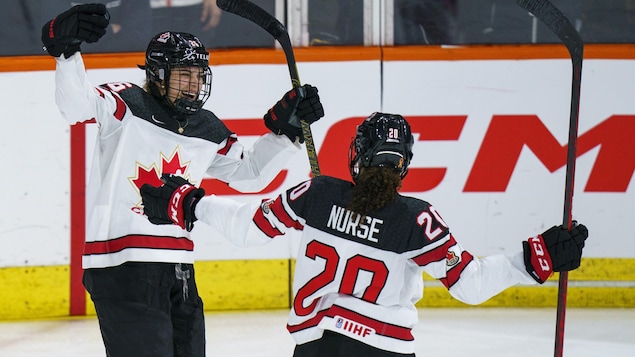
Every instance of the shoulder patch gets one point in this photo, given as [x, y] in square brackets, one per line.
[451, 259]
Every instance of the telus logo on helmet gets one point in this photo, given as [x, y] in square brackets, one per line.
[191, 55]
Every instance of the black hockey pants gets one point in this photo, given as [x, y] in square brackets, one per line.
[148, 309]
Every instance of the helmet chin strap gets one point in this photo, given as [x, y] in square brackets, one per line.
[186, 106]
[180, 106]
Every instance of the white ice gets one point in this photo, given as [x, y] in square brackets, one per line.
[490, 332]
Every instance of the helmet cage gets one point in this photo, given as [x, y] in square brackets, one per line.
[382, 140]
[189, 106]
[170, 50]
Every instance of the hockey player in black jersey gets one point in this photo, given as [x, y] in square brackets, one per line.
[140, 276]
[364, 246]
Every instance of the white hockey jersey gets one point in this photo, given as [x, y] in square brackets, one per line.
[362, 278]
[138, 140]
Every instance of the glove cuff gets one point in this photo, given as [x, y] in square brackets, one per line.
[54, 47]
[176, 206]
[537, 259]
[282, 127]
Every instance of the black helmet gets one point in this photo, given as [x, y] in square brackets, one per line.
[169, 50]
[383, 140]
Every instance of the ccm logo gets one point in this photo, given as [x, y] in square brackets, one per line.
[539, 251]
[175, 202]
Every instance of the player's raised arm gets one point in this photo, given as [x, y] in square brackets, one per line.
[81, 23]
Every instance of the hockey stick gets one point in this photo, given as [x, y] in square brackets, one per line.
[546, 12]
[260, 17]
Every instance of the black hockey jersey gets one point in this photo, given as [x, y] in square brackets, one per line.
[362, 277]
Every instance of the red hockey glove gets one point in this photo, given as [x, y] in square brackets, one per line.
[82, 23]
[557, 249]
[172, 203]
[302, 103]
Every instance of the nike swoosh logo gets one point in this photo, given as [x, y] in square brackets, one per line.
[156, 120]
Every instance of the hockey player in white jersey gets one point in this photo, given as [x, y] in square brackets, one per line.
[364, 246]
[140, 276]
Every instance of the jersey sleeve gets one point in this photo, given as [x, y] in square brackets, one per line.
[251, 170]
[468, 278]
[78, 100]
[249, 224]
[471, 279]
[485, 277]
[233, 219]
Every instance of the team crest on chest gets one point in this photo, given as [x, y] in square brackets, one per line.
[151, 173]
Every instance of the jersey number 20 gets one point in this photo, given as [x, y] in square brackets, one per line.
[352, 268]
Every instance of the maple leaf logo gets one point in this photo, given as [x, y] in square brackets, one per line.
[451, 259]
[152, 174]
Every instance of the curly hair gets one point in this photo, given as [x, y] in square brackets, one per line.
[374, 188]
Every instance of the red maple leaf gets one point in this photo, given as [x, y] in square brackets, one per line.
[173, 166]
[147, 176]
[151, 176]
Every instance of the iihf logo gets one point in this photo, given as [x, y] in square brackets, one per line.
[351, 327]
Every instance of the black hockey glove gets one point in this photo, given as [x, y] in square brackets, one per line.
[557, 249]
[302, 103]
[82, 23]
[171, 203]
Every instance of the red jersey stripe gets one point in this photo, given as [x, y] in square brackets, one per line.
[264, 225]
[120, 111]
[121, 107]
[435, 255]
[381, 328]
[454, 274]
[101, 92]
[312, 322]
[230, 141]
[278, 210]
[138, 241]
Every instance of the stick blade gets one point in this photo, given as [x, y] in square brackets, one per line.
[255, 14]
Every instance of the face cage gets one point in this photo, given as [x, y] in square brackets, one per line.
[156, 75]
[189, 106]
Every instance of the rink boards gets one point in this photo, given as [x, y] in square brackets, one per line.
[467, 107]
